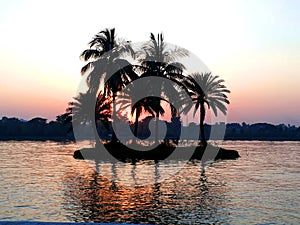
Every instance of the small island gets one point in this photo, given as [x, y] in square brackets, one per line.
[125, 153]
[150, 80]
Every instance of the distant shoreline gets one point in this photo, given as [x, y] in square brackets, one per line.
[38, 129]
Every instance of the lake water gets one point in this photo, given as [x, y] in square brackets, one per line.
[41, 181]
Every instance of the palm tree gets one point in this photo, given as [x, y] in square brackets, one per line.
[207, 89]
[105, 60]
[104, 56]
[146, 104]
[104, 45]
[158, 60]
[81, 111]
[122, 76]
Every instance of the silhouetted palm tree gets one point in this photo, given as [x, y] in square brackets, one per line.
[116, 82]
[146, 104]
[106, 62]
[207, 89]
[82, 110]
[158, 60]
[105, 57]
[105, 45]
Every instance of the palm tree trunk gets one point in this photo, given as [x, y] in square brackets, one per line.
[136, 123]
[202, 117]
[114, 137]
[156, 128]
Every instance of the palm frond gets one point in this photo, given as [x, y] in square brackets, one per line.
[208, 89]
[90, 54]
[85, 68]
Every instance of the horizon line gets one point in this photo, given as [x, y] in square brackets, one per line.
[221, 122]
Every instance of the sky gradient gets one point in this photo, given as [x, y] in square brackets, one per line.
[253, 45]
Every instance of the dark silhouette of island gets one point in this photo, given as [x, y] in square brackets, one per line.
[38, 129]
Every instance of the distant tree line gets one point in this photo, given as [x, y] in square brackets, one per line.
[262, 131]
[34, 129]
[39, 129]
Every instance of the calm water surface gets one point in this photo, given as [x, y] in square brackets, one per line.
[40, 181]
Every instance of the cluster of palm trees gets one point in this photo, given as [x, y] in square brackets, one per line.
[109, 69]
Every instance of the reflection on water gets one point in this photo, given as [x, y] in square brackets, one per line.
[187, 197]
[41, 181]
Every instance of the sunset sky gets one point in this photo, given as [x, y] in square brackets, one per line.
[253, 45]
